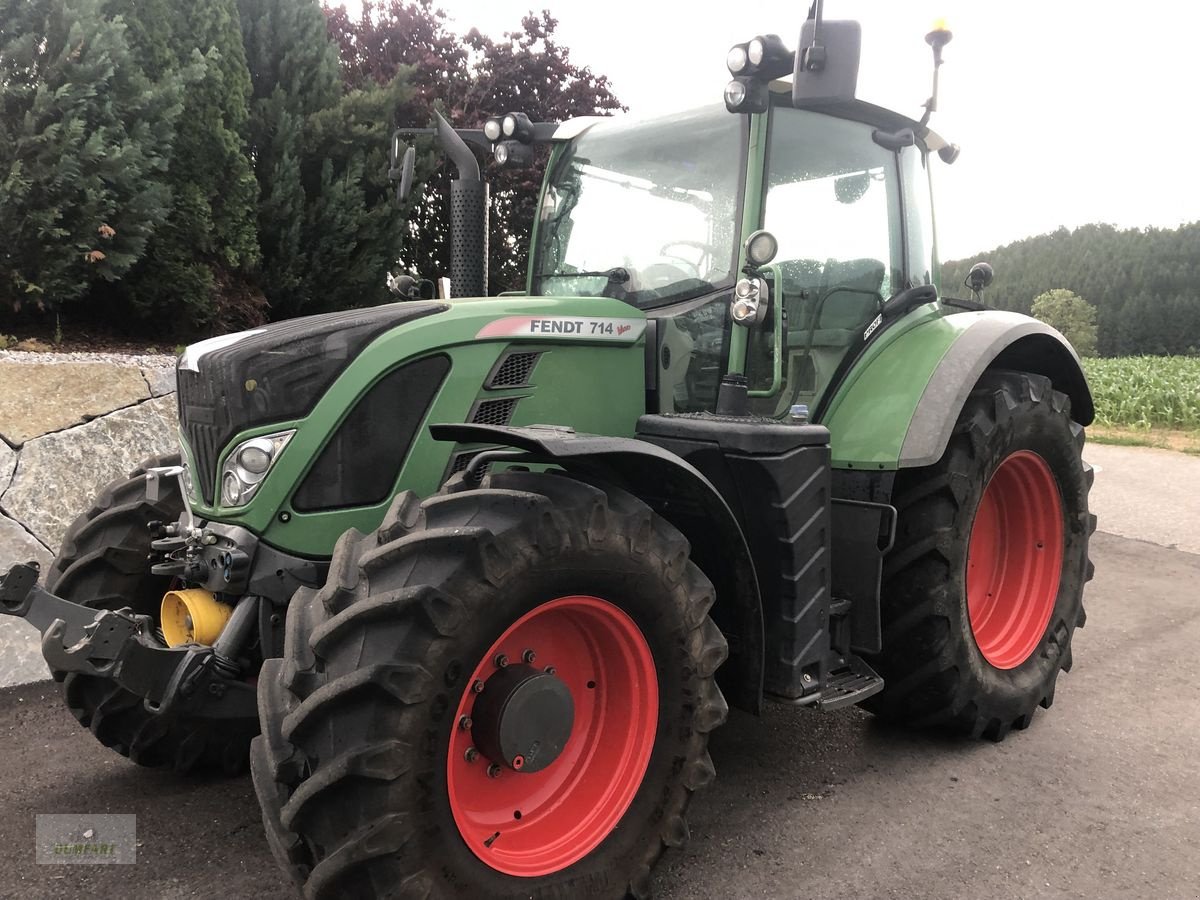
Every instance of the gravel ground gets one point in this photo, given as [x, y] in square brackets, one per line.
[144, 360]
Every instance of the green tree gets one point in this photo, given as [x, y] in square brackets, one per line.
[1071, 315]
[326, 230]
[199, 262]
[1112, 268]
[85, 137]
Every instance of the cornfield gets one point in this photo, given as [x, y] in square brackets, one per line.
[1146, 391]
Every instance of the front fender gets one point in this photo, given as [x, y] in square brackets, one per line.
[898, 406]
[679, 493]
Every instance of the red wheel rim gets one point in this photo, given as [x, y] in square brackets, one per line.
[531, 824]
[1014, 560]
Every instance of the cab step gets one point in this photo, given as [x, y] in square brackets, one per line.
[851, 684]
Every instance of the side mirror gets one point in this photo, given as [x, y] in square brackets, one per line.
[406, 174]
[827, 62]
[979, 277]
[400, 167]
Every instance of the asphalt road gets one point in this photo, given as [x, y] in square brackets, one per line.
[1100, 798]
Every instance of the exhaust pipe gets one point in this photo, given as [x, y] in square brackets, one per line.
[468, 217]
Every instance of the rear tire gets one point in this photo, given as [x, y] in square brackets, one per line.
[978, 610]
[362, 769]
[103, 564]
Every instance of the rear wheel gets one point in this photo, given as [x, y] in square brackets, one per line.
[103, 564]
[503, 692]
[984, 587]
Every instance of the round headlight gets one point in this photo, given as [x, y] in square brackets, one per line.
[255, 459]
[761, 247]
[501, 153]
[231, 489]
[735, 93]
[736, 59]
[509, 125]
[491, 130]
[755, 52]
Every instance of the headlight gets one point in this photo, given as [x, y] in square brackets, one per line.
[247, 466]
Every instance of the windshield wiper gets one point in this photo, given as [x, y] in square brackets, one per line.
[616, 275]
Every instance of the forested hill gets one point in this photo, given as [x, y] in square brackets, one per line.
[1145, 284]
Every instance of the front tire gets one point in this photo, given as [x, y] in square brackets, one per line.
[365, 768]
[983, 589]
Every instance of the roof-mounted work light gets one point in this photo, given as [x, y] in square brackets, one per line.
[753, 65]
[746, 95]
[769, 57]
[492, 129]
[513, 154]
[517, 126]
[737, 60]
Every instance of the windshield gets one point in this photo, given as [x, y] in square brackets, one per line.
[643, 211]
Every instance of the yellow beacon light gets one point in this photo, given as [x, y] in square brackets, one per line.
[939, 35]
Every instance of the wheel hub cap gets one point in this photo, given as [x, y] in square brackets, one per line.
[523, 718]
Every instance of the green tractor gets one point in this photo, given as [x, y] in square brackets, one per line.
[469, 582]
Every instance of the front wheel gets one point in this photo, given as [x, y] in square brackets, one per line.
[503, 692]
[984, 587]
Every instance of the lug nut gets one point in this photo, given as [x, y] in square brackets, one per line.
[464, 723]
[529, 656]
[501, 660]
[471, 755]
[494, 770]
[477, 687]
[550, 670]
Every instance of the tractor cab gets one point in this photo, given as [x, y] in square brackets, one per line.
[652, 213]
[659, 213]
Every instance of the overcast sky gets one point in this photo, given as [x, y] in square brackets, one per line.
[1067, 112]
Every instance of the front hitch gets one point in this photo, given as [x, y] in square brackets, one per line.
[122, 646]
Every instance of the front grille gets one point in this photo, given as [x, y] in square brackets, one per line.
[494, 412]
[513, 370]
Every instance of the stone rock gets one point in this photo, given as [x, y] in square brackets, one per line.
[59, 475]
[40, 398]
[8, 464]
[161, 381]
[20, 644]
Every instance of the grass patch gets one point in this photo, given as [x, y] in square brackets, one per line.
[1181, 440]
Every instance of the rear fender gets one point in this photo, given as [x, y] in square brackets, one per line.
[684, 497]
[898, 406]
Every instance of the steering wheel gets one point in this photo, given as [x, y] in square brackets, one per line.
[707, 251]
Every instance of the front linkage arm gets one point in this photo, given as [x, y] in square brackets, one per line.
[121, 645]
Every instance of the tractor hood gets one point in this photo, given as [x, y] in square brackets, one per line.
[278, 372]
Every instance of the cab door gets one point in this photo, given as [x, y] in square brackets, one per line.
[834, 199]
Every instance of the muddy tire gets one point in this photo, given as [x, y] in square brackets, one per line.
[372, 782]
[103, 564]
[983, 589]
